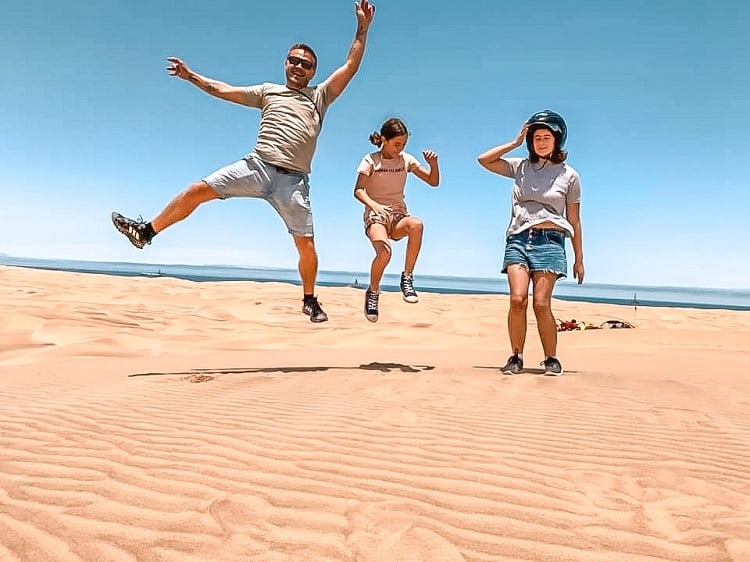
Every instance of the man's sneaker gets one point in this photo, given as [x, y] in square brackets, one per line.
[552, 367]
[311, 307]
[407, 288]
[514, 365]
[371, 305]
[135, 231]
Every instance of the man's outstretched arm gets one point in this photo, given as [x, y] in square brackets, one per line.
[341, 77]
[216, 88]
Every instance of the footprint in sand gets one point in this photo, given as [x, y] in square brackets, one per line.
[398, 416]
[242, 515]
[246, 533]
[198, 378]
[392, 531]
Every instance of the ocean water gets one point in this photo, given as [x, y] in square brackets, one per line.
[728, 299]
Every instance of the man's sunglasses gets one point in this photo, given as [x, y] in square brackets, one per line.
[297, 61]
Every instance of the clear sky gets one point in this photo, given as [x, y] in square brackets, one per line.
[655, 92]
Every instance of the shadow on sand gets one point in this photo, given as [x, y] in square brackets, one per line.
[526, 370]
[376, 366]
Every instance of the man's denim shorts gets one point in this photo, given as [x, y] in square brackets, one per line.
[288, 191]
[537, 250]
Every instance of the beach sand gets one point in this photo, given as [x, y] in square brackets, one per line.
[156, 419]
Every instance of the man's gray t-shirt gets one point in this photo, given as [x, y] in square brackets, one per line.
[541, 194]
[290, 122]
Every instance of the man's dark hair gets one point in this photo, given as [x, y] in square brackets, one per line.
[307, 48]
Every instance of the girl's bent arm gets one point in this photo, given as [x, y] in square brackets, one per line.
[361, 195]
[431, 177]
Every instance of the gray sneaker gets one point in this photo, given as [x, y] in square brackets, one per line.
[312, 308]
[552, 367]
[513, 366]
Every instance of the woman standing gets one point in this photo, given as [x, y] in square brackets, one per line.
[381, 178]
[546, 209]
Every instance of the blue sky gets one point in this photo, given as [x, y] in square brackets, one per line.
[655, 94]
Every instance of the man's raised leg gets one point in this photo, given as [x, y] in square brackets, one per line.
[141, 233]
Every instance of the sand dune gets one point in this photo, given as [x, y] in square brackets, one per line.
[154, 419]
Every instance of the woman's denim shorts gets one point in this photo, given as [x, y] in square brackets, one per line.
[537, 250]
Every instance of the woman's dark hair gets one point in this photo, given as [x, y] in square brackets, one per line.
[391, 128]
[558, 155]
[307, 48]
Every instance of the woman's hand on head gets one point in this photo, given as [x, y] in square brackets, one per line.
[521, 138]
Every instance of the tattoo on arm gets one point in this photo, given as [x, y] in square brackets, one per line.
[208, 85]
[356, 48]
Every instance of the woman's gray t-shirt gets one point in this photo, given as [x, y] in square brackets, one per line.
[541, 193]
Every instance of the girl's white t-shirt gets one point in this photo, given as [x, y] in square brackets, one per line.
[385, 178]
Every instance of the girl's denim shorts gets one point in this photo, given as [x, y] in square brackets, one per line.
[537, 250]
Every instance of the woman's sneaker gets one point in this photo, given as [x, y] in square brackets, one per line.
[513, 366]
[371, 305]
[552, 367]
[312, 308]
[407, 288]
